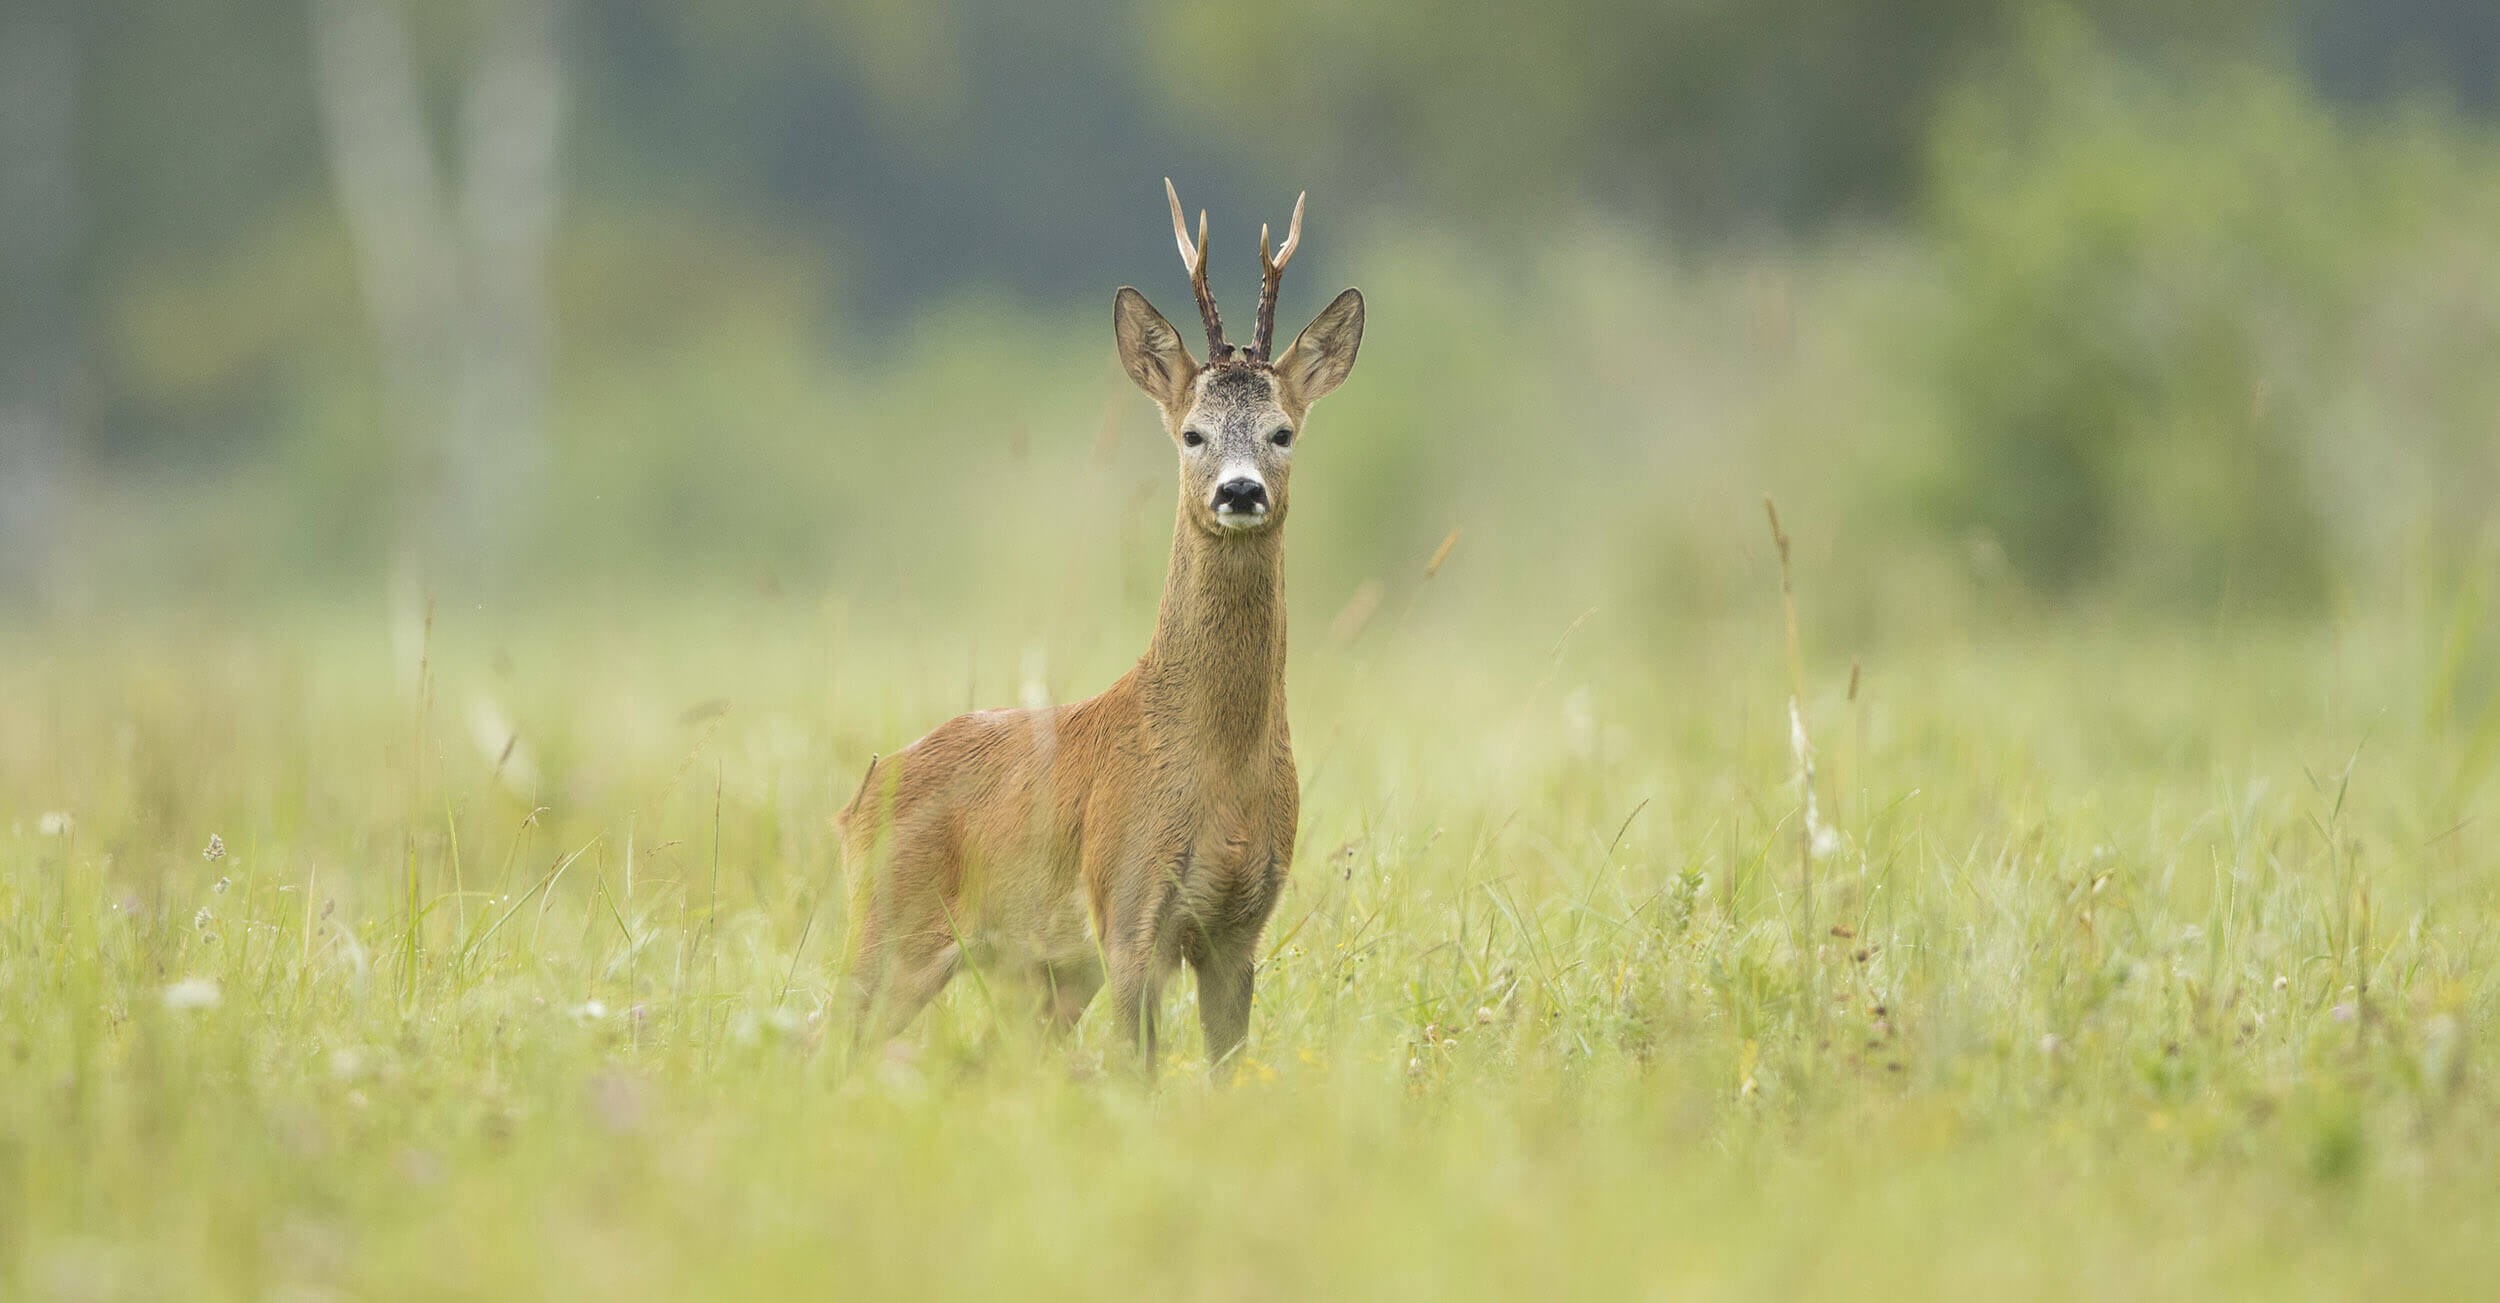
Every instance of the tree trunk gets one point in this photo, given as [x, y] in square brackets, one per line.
[38, 322]
[455, 285]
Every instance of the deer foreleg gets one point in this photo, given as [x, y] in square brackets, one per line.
[1226, 968]
[1143, 949]
[1135, 988]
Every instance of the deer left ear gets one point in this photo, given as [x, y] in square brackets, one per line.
[1324, 352]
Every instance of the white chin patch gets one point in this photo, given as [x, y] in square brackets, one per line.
[1240, 519]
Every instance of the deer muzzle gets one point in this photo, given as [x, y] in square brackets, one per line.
[1240, 498]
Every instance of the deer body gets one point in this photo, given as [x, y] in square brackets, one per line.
[1115, 838]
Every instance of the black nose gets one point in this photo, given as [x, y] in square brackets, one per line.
[1241, 495]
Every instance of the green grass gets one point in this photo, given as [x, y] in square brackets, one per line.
[2145, 963]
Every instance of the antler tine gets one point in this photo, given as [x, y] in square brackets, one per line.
[1293, 233]
[1271, 275]
[1195, 256]
[1180, 227]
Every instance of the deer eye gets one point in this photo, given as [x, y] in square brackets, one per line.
[1192, 439]
[1282, 438]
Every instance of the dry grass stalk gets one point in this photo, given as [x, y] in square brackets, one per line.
[1810, 831]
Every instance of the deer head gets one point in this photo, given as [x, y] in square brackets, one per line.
[1235, 418]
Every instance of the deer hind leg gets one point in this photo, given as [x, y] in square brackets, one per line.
[904, 948]
[1065, 967]
[913, 973]
[906, 958]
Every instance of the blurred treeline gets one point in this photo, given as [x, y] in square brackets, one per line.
[2141, 303]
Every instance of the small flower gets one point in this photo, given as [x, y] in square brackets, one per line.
[590, 1011]
[55, 823]
[192, 993]
[216, 849]
[2051, 1043]
[2346, 1011]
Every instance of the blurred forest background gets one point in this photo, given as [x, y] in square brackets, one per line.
[2115, 305]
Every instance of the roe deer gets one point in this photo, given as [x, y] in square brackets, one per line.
[1161, 812]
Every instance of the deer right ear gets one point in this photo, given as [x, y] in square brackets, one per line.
[1150, 350]
[1324, 352]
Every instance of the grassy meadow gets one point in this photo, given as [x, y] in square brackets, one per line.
[377, 922]
[344, 955]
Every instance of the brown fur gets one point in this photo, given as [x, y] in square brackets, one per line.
[1117, 837]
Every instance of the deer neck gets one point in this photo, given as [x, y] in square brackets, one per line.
[1215, 671]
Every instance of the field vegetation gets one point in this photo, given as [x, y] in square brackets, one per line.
[2122, 961]
[2088, 890]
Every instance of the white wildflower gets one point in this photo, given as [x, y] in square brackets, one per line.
[192, 993]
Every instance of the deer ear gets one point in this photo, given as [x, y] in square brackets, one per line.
[1150, 350]
[1324, 352]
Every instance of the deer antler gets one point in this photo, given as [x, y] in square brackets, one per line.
[1194, 256]
[1272, 274]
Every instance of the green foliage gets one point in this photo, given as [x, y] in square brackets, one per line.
[2162, 354]
[1728, 117]
[2162, 325]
